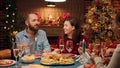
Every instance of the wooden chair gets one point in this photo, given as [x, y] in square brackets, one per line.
[5, 54]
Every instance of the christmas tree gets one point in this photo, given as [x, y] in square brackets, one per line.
[99, 21]
[10, 18]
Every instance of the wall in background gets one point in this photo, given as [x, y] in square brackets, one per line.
[77, 8]
[74, 7]
[116, 5]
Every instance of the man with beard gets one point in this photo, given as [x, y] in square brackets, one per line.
[33, 39]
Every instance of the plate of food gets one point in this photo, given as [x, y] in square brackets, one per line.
[28, 59]
[56, 59]
[68, 55]
[36, 55]
[7, 62]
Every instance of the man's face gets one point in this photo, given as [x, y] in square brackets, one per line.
[33, 22]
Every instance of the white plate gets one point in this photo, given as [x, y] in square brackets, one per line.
[7, 62]
[48, 64]
[36, 55]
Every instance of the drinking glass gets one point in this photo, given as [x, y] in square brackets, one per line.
[21, 51]
[61, 45]
[15, 52]
[69, 45]
[25, 46]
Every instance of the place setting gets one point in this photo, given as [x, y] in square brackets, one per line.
[7, 62]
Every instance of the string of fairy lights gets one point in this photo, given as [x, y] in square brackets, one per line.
[10, 17]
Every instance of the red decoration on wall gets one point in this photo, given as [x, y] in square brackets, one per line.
[65, 15]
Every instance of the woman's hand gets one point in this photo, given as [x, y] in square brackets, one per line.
[80, 50]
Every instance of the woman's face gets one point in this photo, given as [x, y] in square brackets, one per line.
[68, 28]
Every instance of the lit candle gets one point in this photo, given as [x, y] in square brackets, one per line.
[83, 46]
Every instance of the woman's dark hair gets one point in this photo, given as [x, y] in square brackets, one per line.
[118, 17]
[116, 29]
[76, 33]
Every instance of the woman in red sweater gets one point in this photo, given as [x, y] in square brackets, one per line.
[72, 33]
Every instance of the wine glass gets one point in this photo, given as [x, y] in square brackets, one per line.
[15, 51]
[69, 45]
[25, 46]
[21, 51]
[61, 45]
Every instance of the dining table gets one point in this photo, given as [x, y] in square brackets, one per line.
[21, 64]
[75, 65]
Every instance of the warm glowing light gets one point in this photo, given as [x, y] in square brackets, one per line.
[51, 4]
[6, 21]
[9, 5]
[8, 28]
[5, 27]
[11, 25]
[13, 20]
[13, 14]
[7, 15]
[55, 0]
[15, 32]
[90, 20]
[6, 8]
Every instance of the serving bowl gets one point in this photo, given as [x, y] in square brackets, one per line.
[28, 59]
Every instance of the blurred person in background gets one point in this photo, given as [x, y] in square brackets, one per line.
[114, 61]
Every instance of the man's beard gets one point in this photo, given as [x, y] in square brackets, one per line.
[32, 28]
